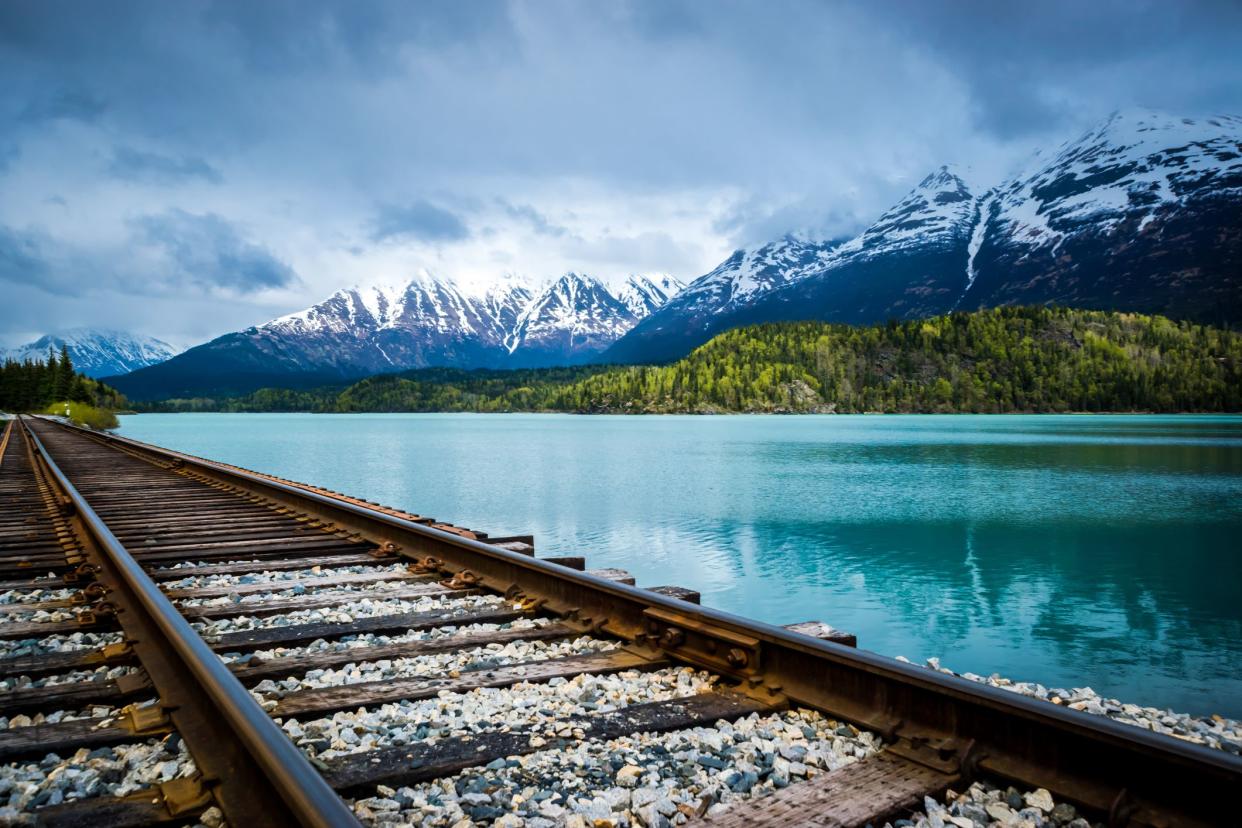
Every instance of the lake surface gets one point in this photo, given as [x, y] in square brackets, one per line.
[1070, 550]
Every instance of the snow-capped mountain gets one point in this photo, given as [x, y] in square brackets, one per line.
[506, 299]
[1141, 213]
[382, 328]
[425, 322]
[575, 315]
[96, 352]
[645, 293]
[930, 220]
[690, 318]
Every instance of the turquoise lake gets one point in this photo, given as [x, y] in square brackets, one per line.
[1069, 550]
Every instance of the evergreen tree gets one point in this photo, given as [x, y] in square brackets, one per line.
[993, 361]
[64, 375]
[33, 385]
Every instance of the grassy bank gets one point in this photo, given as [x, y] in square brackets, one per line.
[84, 415]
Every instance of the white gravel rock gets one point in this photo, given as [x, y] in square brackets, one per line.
[433, 665]
[275, 577]
[98, 674]
[367, 640]
[34, 596]
[105, 712]
[986, 806]
[57, 644]
[39, 616]
[679, 775]
[188, 566]
[373, 591]
[539, 707]
[1214, 731]
[108, 771]
[345, 613]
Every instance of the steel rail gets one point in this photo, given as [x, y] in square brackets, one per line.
[268, 770]
[1131, 776]
[4, 437]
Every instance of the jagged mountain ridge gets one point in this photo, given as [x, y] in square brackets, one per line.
[1141, 213]
[691, 317]
[1145, 207]
[425, 322]
[97, 352]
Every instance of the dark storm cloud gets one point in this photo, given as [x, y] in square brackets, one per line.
[215, 67]
[21, 256]
[767, 117]
[419, 220]
[8, 154]
[1032, 66]
[30, 257]
[207, 251]
[534, 219]
[131, 164]
[70, 104]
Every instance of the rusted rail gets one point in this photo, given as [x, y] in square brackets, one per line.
[938, 730]
[248, 765]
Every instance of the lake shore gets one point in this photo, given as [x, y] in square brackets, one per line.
[1033, 546]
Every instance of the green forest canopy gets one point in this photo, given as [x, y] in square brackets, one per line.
[33, 385]
[992, 361]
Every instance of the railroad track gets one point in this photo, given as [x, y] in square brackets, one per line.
[184, 641]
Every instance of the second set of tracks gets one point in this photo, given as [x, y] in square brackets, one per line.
[187, 642]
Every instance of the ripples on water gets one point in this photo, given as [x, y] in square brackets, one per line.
[1070, 550]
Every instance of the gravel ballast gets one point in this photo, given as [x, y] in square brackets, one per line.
[345, 613]
[364, 641]
[986, 806]
[102, 673]
[434, 665]
[1213, 731]
[34, 596]
[72, 642]
[275, 577]
[543, 708]
[645, 779]
[105, 771]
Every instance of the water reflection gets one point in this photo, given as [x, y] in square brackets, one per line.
[1069, 550]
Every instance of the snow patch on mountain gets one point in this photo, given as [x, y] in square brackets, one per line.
[1134, 164]
[98, 352]
[935, 211]
[751, 272]
[430, 320]
[982, 217]
[643, 293]
[575, 312]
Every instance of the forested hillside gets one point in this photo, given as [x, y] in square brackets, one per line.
[1000, 360]
[34, 384]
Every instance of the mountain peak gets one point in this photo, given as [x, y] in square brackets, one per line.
[574, 278]
[947, 178]
[98, 352]
[1134, 164]
[644, 293]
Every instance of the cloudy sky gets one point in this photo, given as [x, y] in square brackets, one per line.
[187, 168]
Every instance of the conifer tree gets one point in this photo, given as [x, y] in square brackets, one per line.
[65, 375]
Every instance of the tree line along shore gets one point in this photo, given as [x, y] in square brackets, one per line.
[53, 386]
[1003, 360]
